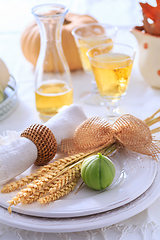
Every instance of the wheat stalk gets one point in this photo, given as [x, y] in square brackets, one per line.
[58, 184]
[58, 194]
[60, 163]
[67, 177]
[70, 176]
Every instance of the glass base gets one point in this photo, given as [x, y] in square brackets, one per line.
[92, 99]
[44, 115]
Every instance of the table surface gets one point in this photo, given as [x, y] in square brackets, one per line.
[141, 100]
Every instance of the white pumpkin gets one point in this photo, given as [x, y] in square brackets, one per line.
[4, 75]
[4, 78]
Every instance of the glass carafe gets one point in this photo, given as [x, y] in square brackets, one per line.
[53, 84]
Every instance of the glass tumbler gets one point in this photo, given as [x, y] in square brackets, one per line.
[53, 84]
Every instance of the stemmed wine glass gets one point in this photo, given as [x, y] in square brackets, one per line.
[87, 36]
[111, 65]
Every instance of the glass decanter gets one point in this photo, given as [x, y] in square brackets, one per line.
[53, 84]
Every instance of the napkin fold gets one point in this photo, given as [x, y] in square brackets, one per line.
[18, 155]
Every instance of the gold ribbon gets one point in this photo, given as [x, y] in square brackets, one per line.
[127, 130]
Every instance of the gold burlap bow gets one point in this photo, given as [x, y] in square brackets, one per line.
[127, 131]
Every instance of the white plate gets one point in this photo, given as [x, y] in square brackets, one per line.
[134, 175]
[54, 225]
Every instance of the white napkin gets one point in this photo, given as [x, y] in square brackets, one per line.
[18, 155]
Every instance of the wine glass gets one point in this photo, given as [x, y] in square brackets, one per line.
[87, 36]
[111, 65]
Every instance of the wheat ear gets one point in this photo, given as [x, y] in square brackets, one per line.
[58, 194]
[66, 178]
[17, 199]
[60, 163]
[58, 184]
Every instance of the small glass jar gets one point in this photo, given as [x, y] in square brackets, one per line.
[53, 84]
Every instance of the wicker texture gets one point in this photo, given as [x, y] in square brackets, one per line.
[44, 140]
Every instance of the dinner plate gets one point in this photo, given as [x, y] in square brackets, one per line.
[54, 225]
[134, 175]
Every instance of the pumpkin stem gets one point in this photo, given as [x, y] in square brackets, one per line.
[100, 155]
[66, 22]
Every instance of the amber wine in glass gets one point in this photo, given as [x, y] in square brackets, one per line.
[112, 66]
[86, 37]
[84, 46]
[52, 96]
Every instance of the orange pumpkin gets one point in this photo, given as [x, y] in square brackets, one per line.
[30, 40]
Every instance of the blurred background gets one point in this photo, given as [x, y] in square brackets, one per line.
[16, 14]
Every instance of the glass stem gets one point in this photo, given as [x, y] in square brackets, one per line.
[113, 108]
[94, 87]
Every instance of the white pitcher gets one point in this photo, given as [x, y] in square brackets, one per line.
[149, 56]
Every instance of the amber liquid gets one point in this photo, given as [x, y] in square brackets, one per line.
[52, 96]
[84, 45]
[112, 72]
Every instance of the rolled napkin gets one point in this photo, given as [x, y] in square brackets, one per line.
[18, 155]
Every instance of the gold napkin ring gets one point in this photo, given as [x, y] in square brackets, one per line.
[44, 140]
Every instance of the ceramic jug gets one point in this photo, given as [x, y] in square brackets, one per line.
[149, 56]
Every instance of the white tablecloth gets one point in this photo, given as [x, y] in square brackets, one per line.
[141, 101]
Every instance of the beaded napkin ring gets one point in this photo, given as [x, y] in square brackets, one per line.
[44, 140]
